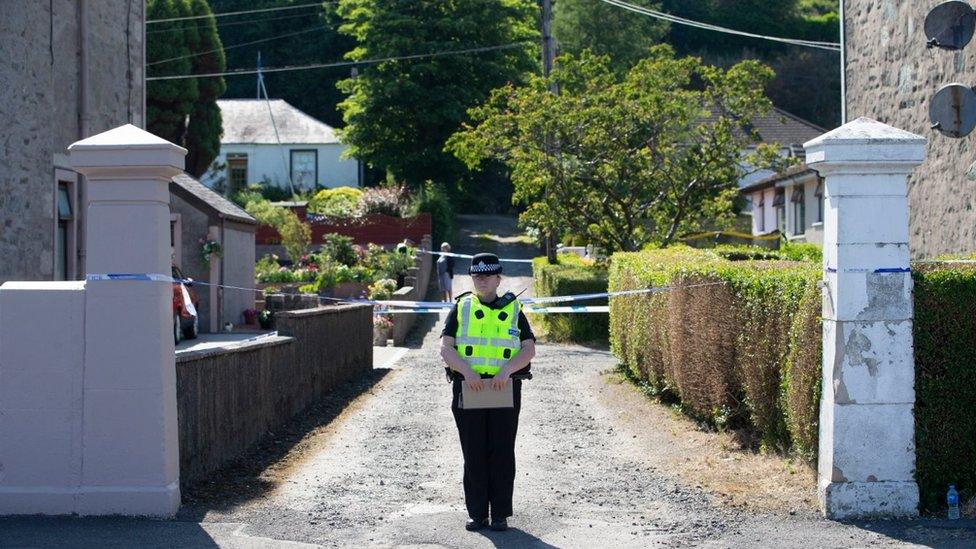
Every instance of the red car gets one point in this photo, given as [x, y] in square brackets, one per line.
[186, 303]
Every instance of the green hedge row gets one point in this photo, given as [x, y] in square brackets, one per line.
[572, 275]
[945, 382]
[737, 343]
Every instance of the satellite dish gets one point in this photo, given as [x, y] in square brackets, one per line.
[952, 110]
[950, 25]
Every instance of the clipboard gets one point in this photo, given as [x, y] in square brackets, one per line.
[487, 397]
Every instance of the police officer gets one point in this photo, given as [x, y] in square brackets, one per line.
[487, 336]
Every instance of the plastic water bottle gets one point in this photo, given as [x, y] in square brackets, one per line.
[952, 498]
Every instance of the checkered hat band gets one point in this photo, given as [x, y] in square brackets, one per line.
[486, 268]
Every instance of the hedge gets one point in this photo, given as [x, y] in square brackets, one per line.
[572, 275]
[737, 343]
[945, 382]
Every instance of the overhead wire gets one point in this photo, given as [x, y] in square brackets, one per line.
[346, 63]
[242, 12]
[831, 46]
[240, 45]
[222, 24]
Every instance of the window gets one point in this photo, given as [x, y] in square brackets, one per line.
[819, 193]
[779, 206]
[64, 235]
[762, 212]
[798, 199]
[236, 172]
[304, 169]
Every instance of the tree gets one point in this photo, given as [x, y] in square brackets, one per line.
[184, 111]
[606, 30]
[399, 114]
[639, 157]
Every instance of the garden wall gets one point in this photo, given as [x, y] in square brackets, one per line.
[373, 228]
[415, 286]
[229, 398]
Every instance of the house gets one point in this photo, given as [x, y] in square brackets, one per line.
[790, 202]
[197, 212]
[788, 131]
[890, 76]
[274, 142]
[70, 70]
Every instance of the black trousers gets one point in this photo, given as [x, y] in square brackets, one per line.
[488, 444]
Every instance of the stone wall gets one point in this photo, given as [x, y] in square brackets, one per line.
[229, 398]
[890, 77]
[415, 285]
[39, 104]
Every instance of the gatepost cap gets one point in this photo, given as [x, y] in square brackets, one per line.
[485, 264]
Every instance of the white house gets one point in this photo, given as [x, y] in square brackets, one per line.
[786, 130]
[275, 142]
[790, 202]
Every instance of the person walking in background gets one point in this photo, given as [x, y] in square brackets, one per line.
[445, 273]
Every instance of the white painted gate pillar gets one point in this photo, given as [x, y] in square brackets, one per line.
[131, 451]
[867, 430]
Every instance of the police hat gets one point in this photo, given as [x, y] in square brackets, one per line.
[485, 264]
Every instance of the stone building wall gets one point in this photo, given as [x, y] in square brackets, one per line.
[890, 77]
[39, 107]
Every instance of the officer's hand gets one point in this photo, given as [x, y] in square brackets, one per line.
[473, 380]
[500, 381]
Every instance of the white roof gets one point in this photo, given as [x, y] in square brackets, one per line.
[248, 121]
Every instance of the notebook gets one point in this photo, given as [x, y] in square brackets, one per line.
[487, 397]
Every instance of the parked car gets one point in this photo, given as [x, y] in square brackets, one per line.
[186, 303]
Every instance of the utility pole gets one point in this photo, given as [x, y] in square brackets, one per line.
[548, 55]
[258, 94]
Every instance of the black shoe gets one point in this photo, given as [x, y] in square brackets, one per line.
[475, 525]
[499, 525]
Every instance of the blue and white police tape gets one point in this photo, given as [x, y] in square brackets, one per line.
[132, 276]
[468, 256]
[528, 310]
[882, 270]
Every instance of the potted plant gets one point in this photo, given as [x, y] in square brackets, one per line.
[250, 317]
[266, 319]
[382, 326]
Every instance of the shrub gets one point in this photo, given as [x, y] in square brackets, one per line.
[247, 195]
[945, 374]
[274, 193]
[339, 248]
[296, 236]
[340, 202]
[266, 214]
[382, 289]
[725, 339]
[390, 200]
[433, 199]
[572, 275]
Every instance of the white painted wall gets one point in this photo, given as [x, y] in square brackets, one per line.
[273, 162]
[813, 229]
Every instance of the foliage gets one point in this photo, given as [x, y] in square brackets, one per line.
[945, 434]
[266, 214]
[433, 199]
[606, 30]
[340, 202]
[571, 275]
[339, 248]
[409, 142]
[382, 322]
[296, 235]
[625, 159]
[739, 347]
[184, 111]
[210, 247]
[243, 197]
[314, 92]
[387, 264]
[382, 289]
[386, 200]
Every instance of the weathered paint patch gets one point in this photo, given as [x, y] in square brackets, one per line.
[886, 296]
[857, 346]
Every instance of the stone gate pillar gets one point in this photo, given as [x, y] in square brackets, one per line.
[130, 456]
[867, 429]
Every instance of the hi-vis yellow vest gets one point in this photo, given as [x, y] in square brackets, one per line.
[487, 338]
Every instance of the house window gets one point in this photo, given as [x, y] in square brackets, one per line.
[779, 206]
[304, 168]
[820, 200]
[799, 210]
[64, 235]
[236, 172]
[762, 212]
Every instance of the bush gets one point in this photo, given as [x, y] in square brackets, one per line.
[266, 214]
[572, 275]
[386, 264]
[433, 199]
[339, 248]
[729, 340]
[391, 201]
[340, 202]
[945, 374]
[382, 289]
[296, 236]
